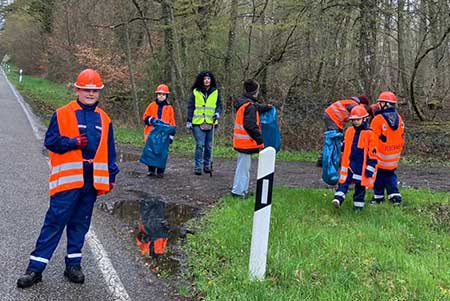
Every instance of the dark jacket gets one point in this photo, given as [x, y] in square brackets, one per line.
[250, 124]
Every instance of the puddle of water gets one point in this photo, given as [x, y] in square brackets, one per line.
[161, 226]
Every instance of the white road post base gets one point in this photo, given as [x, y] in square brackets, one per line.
[261, 217]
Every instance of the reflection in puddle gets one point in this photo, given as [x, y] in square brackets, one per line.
[160, 227]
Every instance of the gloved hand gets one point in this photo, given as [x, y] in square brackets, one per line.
[81, 141]
[189, 125]
[154, 121]
[103, 192]
[170, 139]
[216, 116]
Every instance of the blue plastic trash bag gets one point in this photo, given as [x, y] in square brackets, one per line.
[156, 149]
[332, 146]
[270, 130]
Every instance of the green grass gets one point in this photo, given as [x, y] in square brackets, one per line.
[43, 95]
[319, 253]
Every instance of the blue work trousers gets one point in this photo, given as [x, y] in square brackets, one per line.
[203, 148]
[386, 179]
[358, 196]
[71, 209]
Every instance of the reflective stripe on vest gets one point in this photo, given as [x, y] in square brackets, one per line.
[67, 169]
[338, 112]
[205, 109]
[241, 139]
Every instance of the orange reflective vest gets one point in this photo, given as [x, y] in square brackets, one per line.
[167, 116]
[67, 169]
[388, 152]
[367, 142]
[241, 139]
[339, 111]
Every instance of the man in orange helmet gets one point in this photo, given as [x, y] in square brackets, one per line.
[158, 111]
[358, 164]
[389, 130]
[80, 141]
[337, 115]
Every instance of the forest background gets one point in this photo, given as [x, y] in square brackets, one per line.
[306, 54]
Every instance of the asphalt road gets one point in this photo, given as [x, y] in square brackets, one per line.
[112, 265]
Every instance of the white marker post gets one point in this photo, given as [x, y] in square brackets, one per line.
[261, 217]
[20, 76]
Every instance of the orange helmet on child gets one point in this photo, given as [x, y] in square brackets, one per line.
[358, 112]
[387, 96]
[162, 89]
[89, 79]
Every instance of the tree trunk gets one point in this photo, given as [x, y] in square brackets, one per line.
[228, 63]
[130, 70]
[367, 46]
[173, 65]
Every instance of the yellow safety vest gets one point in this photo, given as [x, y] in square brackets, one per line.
[204, 110]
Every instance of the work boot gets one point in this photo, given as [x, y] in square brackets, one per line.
[375, 201]
[396, 201]
[74, 274]
[29, 279]
[336, 203]
[160, 175]
[206, 170]
[198, 172]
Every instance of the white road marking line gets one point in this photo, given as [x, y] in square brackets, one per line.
[110, 275]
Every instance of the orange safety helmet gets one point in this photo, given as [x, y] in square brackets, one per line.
[162, 89]
[89, 79]
[387, 96]
[358, 112]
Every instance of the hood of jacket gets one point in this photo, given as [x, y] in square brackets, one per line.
[391, 116]
[242, 100]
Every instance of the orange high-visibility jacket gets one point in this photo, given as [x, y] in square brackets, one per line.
[339, 111]
[167, 115]
[390, 141]
[67, 169]
[367, 142]
[241, 139]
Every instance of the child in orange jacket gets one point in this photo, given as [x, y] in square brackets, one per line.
[358, 163]
[158, 111]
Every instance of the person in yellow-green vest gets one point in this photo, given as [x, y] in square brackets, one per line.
[203, 113]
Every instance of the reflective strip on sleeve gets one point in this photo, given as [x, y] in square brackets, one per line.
[370, 168]
[356, 177]
[74, 255]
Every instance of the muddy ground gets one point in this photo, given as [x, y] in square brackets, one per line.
[187, 195]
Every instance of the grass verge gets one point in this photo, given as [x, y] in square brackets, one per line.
[319, 253]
